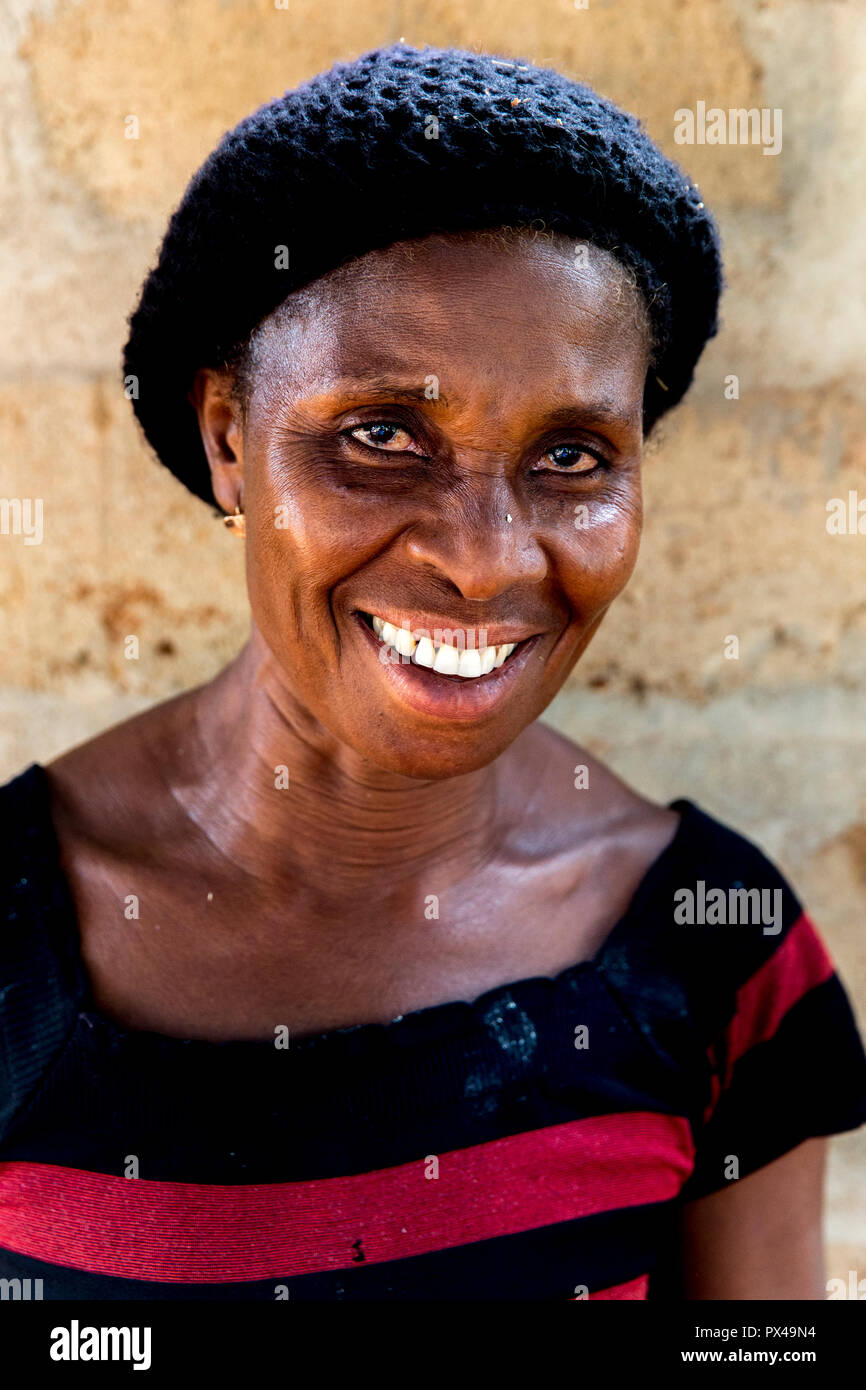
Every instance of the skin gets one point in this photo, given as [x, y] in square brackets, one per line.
[305, 906]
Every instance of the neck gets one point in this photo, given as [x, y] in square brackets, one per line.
[340, 819]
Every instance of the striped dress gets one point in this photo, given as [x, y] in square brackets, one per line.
[534, 1143]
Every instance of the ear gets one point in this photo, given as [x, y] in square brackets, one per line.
[219, 420]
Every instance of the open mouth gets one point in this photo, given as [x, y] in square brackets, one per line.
[464, 660]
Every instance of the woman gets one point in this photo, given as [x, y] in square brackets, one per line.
[341, 976]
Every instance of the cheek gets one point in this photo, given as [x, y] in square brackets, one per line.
[306, 535]
[310, 510]
[599, 554]
[292, 561]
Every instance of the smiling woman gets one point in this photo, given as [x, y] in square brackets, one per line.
[397, 507]
[373, 983]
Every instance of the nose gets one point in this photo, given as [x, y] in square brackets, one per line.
[480, 539]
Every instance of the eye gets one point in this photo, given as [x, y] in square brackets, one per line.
[573, 458]
[384, 435]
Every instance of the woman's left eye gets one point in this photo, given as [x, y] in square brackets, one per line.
[576, 458]
[383, 435]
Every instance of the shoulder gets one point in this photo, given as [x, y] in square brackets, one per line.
[111, 787]
[721, 935]
[566, 792]
[703, 924]
[756, 993]
[705, 873]
[57, 822]
[29, 848]
[581, 834]
[102, 792]
[41, 983]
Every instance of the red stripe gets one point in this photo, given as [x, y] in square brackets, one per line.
[715, 1082]
[635, 1288]
[191, 1233]
[800, 963]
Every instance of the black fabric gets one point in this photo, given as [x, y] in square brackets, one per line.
[41, 981]
[812, 1063]
[664, 1003]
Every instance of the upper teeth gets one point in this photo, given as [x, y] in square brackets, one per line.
[447, 660]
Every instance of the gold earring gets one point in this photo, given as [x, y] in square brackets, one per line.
[236, 522]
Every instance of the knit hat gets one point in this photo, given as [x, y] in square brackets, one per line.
[400, 143]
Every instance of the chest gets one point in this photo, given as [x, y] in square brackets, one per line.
[197, 954]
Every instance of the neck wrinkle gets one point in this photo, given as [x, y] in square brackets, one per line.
[340, 819]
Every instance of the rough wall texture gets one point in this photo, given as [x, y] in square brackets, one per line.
[737, 489]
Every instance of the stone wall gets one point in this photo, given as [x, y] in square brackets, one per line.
[737, 488]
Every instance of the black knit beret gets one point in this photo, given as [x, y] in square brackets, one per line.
[400, 143]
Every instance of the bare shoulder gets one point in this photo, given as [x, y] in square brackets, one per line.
[116, 784]
[583, 835]
[578, 840]
[579, 800]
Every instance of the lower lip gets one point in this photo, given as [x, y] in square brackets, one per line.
[450, 697]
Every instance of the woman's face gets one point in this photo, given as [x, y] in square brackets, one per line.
[445, 436]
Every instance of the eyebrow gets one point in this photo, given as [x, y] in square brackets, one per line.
[603, 411]
[386, 388]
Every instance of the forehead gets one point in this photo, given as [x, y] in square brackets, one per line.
[486, 314]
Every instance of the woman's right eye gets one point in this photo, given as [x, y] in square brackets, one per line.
[384, 435]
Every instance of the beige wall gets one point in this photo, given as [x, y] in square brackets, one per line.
[736, 539]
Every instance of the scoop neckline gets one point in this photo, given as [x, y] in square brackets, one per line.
[451, 1010]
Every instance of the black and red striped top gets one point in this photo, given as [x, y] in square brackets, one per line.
[532, 1144]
